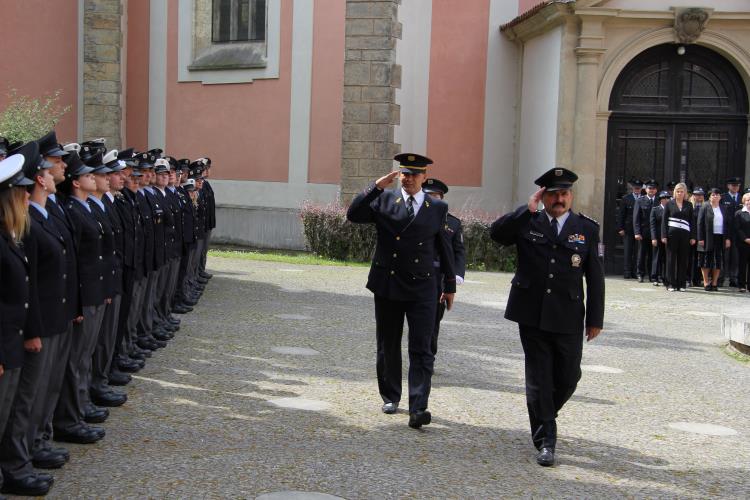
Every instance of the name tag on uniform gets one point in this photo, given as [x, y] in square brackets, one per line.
[534, 233]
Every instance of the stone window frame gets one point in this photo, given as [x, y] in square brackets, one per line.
[259, 61]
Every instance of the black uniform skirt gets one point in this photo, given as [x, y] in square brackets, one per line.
[713, 258]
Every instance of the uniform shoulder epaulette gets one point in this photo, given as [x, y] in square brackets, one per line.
[588, 218]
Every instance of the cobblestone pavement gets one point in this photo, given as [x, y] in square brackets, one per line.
[269, 386]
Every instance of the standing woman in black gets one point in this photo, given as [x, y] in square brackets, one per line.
[678, 234]
[15, 297]
[742, 237]
[714, 232]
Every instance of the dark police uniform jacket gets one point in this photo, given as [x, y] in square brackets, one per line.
[728, 203]
[89, 236]
[455, 235]
[641, 214]
[63, 223]
[144, 207]
[547, 289]
[115, 219]
[188, 220]
[402, 268]
[159, 223]
[175, 206]
[210, 205]
[655, 222]
[625, 215]
[47, 258]
[109, 254]
[14, 297]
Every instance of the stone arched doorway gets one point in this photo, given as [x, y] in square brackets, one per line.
[675, 117]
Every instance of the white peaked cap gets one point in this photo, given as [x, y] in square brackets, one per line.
[73, 146]
[110, 156]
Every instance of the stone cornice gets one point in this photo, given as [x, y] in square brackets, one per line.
[655, 14]
[548, 17]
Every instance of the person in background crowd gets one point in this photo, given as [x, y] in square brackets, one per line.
[695, 277]
[678, 234]
[625, 227]
[641, 231]
[714, 233]
[731, 201]
[436, 188]
[17, 323]
[208, 193]
[742, 238]
[659, 259]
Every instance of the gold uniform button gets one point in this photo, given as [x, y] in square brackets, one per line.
[398, 237]
[394, 254]
[393, 272]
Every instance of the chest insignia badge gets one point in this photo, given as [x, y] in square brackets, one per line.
[575, 260]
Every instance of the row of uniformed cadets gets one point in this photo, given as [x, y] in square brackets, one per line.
[97, 250]
[698, 261]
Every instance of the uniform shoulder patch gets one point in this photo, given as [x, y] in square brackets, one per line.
[588, 218]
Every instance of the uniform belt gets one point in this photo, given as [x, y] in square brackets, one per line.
[679, 223]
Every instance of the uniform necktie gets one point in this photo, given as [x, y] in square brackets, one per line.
[553, 223]
[410, 206]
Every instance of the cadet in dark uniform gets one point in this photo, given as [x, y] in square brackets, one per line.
[15, 294]
[641, 230]
[556, 249]
[403, 279]
[697, 198]
[625, 227]
[731, 201]
[658, 261]
[437, 189]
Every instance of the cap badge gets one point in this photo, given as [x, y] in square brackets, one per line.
[575, 260]
[411, 158]
[558, 172]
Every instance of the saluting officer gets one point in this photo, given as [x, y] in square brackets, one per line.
[641, 230]
[556, 249]
[436, 188]
[403, 279]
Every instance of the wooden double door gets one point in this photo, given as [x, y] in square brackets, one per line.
[674, 119]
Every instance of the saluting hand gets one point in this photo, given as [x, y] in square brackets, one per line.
[592, 332]
[386, 180]
[448, 299]
[535, 198]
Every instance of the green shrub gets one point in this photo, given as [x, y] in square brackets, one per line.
[28, 118]
[328, 234]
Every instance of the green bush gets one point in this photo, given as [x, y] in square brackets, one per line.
[328, 234]
[28, 118]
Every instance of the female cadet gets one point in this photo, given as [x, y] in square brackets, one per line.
[742, 233]
[714, 235]
[15, 296]
[69, 422]
[678, 234]
[43, 246]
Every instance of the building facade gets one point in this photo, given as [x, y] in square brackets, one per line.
[307, 100]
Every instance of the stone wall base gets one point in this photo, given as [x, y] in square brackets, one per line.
[259, 227]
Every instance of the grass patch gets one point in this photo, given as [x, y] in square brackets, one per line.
[287, 258]
[732, 352]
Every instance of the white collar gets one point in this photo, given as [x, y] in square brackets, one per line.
[560, 220]
[418, 197]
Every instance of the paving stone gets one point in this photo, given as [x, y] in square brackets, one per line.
[201, 422]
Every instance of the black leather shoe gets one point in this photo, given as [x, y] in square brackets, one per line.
[206, 275]
[47, 459]
[390, 408]
[173, 320]
[189, 302]
[63, 452]
[201, 280]
[128, 366]
[140, 350]
[96, 416]
[162, 336]
[99, 431]
[135, 356]
[30, 486]
[119, 379]
[146, 343]
[168, 327]
[546, 457]
[640, 279]
[109, 399]
[419, 418]
[181, 309]
[79, 436]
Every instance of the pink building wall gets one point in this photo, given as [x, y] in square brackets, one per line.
[244, 128]
[136, 77]
[327, 91]
[458, 70]
[40, 55]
